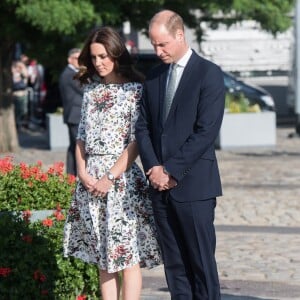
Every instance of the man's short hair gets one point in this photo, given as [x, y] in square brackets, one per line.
[73, 51]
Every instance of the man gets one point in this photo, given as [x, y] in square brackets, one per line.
[71, 94]
[176, 145]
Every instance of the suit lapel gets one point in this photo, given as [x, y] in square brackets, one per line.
[162, 92]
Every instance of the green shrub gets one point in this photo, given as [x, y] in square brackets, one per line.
[32, 265]
[25, 186]
[238, 103]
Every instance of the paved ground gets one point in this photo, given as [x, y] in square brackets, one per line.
[257, 219]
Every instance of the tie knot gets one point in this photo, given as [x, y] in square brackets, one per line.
[174, 67]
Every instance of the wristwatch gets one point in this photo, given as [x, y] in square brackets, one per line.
[110, 176]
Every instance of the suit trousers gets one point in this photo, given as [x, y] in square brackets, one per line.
[188, 241]
[71, 161]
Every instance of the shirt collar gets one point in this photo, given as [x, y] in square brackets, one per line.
[182, 62]
[72, 67]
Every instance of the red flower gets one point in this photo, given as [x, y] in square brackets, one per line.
[6, 165]
[42, 278]
[50, 171]
[44, 292]
[36, 275]
[44, 177]
[47, 222]
[25, 174]
[81, 297]
[4, 272]
[71, 179]
[59, 215]
[26, 215]
[59, 167]
[23, 166]
[58, 208]
[35, 170]
[27, 239]
[39, 276]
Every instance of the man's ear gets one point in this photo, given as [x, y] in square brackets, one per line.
[179, 35]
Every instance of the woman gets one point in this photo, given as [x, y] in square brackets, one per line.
[110, 221]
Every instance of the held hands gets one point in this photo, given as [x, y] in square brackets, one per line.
[101, 187]
[97, 187]
[88, 181]
[160, 180]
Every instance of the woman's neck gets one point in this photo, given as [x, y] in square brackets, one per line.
[113, 78]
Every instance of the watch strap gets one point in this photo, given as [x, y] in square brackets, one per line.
[110, 176]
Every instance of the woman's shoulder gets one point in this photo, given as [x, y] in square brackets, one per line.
[88, 87]
[133, 85]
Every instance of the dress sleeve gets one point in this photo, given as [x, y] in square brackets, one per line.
[81, 134]
[135, 109]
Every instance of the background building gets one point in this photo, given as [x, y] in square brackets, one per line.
[252, 54]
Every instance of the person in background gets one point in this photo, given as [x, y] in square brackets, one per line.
[37, 90]
[110, 222]
[71, 94]
[181, 113]
[20, 93]
[36, 74]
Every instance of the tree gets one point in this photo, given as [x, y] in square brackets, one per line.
[41, 25]
[48, 28]
[273, 15]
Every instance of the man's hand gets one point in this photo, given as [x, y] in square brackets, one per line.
[159, 179]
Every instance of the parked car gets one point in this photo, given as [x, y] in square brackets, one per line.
[255, 94]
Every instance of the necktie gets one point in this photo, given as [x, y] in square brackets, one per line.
[170, 91]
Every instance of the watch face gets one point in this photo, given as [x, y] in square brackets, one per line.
[110, 176]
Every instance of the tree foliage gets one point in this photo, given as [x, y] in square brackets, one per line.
[48, 28]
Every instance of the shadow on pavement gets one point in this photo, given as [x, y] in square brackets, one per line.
[33, 138]
[258, 290]
[268, 154]
[232, 297]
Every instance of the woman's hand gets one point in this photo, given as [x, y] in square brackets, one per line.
[102, 186]
[88, 181]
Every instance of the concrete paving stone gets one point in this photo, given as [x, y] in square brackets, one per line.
[253, 249]
[257, 219]
[260, 290]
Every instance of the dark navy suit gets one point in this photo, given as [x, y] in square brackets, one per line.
[184, 144]
[71, 94]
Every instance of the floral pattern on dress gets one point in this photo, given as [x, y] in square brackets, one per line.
[116, 231]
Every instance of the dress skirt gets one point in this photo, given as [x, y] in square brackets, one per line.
[116, 231]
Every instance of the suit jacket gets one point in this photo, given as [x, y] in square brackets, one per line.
[71, 93]
[184, 144]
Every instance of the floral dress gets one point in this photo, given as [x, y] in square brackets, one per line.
[116, 231]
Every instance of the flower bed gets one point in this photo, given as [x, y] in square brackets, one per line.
[32, 265]
[25, 186]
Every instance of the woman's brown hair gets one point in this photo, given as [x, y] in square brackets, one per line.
[117, 51]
